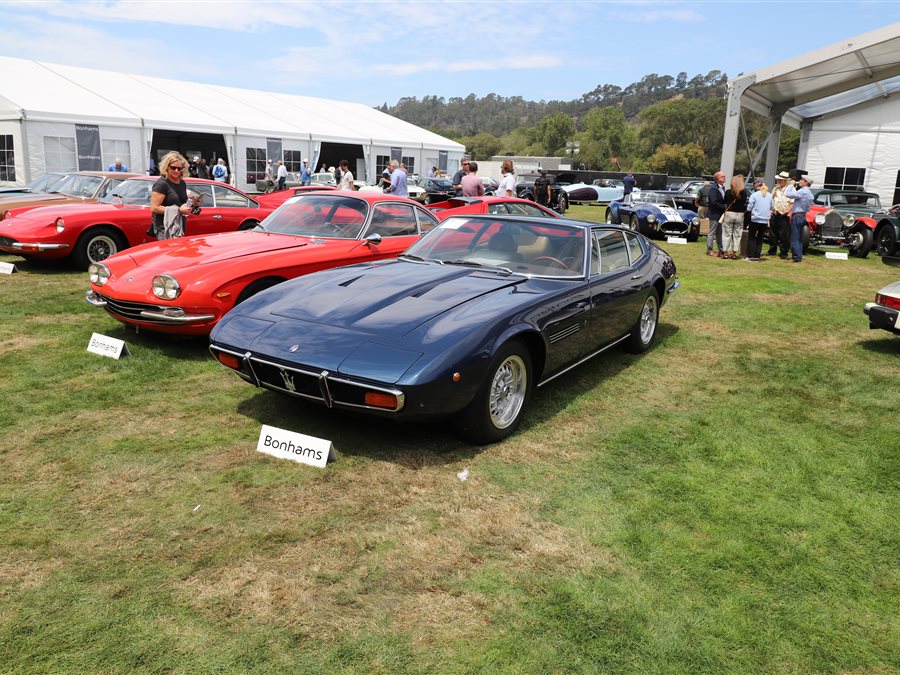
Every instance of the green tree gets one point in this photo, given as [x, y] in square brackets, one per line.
[677, 160]
[482, 146]
[553, 131]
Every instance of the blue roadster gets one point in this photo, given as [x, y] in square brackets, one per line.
[655, 215]
[465, 324]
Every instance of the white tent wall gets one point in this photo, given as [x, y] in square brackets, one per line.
[246, 165]
[866, 136]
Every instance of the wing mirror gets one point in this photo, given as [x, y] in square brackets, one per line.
[373, 238]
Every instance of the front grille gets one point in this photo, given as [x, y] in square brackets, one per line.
[132, 310]
[673, 227]
[6, 241]
[834, 224]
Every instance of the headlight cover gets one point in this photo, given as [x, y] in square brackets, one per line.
[820, 219]
[60, 224]
[695, 221]
[98, 273]
[850, 219]
[166, 287]
[651, 218]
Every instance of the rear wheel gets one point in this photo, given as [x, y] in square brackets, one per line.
[610, 220]
[562, 203]
[97, 244]
[496, 410]
[887, 240]
[644, 329]
[248, 225]
[805, 238]
[860, 242]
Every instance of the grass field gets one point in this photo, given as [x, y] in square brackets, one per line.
[727, 502]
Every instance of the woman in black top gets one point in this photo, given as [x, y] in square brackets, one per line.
[170, 190]
[733, 219]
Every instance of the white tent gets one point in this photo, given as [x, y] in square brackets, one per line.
[841, 97]
[57, 117]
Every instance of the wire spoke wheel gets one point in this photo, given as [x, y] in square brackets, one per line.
[507, 394]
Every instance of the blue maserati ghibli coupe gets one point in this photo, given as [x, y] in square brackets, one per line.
[465, 324]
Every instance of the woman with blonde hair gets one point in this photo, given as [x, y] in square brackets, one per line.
[760, 207]
[507, 187]
[733, 218]
[168, 197]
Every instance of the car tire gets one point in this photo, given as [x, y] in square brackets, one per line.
[496, 410]
[610, 217]
[97, 244]
[641, 337]
[634, 224]
[804, 237]
[693, 237]
[886, 240]
[862, 242]
[248, 225]
[562, 203]
[256, 287]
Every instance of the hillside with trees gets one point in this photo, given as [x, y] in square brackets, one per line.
[660, 124]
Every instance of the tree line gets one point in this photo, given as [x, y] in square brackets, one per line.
[661, 124]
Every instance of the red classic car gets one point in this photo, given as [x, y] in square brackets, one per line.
[494, 205]
[78, 187]
[279, 197]
[93, 232]
[186, 285]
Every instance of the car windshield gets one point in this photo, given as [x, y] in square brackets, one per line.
[318, 215]
[135, 191]
[46, 183]
[76, 185]
[870, 201]
[522, 247]
[655, 198]
[441, 183]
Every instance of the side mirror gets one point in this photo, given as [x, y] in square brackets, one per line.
[373, 238]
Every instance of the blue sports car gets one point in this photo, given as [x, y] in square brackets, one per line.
[654, 215]
[465, 324]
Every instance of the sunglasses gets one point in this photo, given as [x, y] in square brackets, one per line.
[176, 168]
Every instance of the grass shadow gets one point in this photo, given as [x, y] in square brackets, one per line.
[181, 347]
[885, 345]
[41, 266]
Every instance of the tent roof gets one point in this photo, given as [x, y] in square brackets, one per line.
[52, 92]
[829, 79]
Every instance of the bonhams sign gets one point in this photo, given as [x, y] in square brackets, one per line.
[87, 145]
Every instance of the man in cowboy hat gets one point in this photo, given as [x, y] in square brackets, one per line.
[780, 224]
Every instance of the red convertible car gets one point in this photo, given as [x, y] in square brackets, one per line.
[186, 285]
[493, 205]
[92, 232]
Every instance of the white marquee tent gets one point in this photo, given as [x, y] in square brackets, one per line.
[57, 117]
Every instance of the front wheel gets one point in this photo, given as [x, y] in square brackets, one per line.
[644, 329]
[248, 225]
[496, 410]
[562, 203]
[610, 218]
[887, 240]
[860, 242]
[635, 224]
[96, 245]
[804, 237]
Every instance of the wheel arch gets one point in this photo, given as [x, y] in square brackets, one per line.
[532, 340]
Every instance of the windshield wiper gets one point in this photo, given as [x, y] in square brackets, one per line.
[412, 257]
[472, 263]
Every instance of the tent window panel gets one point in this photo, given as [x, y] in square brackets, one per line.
[293, 159]
[896, 199]
[381, 162]
[256, 164]
[841, 178]
[410, 164]
[59, 153]
[7, 158]
[114, 149]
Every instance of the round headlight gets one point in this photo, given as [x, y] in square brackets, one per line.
[820, 219]
[695, 221]
[651, 218]
[60, 224]
[166, 287]
[850, 219]
[6, 214]
[98, 273]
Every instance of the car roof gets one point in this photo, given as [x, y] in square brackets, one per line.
[843, 191]
[370, 197]
[535, 220]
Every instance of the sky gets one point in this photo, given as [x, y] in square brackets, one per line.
[375, 52]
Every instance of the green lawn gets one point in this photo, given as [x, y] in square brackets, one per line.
[727, 502]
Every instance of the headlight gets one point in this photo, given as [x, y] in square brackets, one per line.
[6, 214]
[98, 273]
[651, 218]
[166, 287]
[60, 224]
[820, 219]
[849, 220]
[695, 222]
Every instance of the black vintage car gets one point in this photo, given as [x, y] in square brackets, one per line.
[559, 201]
[436, 189]
[684, 195]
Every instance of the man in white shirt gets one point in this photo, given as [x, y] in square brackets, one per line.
[282, 175]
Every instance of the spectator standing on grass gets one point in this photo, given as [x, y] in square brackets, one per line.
[733, 219]
[203, 169]
[281, 175]
[458, 176]
[471, 184]
[220, 171]
[717, 205]
[385, 181]
[542, 191]
[337, 176]
[398, 180]
[701, 201]
[760, 208]
[507, 187]
[803, 199]
[628, 190]
[304, 173]
[346, 183]
[270, 176]
[781, 217]
[168, 198]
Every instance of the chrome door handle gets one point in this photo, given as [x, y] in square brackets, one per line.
[636, 276]
[217, 217]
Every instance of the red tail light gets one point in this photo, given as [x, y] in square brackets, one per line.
[887, 301]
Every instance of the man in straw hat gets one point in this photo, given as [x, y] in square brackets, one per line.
[780, 224]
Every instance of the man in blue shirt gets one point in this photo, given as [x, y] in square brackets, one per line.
[398, 180]
[304, 173]
[803, 199]
[628, 182]
[117, 166]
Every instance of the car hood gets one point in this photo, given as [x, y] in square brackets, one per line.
[70, 210]
[205, 250]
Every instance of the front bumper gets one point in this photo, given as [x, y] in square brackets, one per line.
[881, 317]
[154, 317]
[37, 248]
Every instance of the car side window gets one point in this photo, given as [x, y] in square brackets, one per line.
[427, 220]
[611, 249]
[497, 208]
[393, 220]
[109, 187]
[226, 198]
[635, 250]
[202, 189]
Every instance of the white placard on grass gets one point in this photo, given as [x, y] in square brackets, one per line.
[676, 240]
[833, 255]
[7, 268]
[107, 346]
[296, 447]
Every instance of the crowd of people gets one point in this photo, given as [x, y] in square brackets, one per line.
[783, 211]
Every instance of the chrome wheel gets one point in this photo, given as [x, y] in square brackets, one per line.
[507, 395]
[649, 316]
